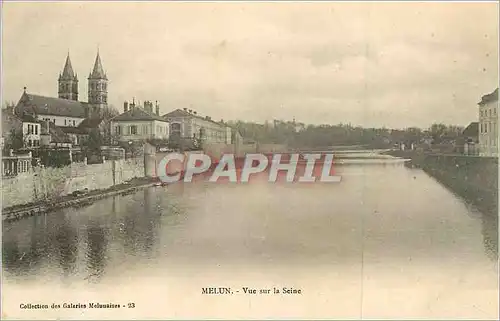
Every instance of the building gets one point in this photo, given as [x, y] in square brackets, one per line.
[66, 110]
[468, 142]
[20, 132]
[14, 164]
[488, 124]
[138, 123]
[188, 125]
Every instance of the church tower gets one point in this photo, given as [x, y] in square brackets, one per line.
[98, 90]
[68, 82]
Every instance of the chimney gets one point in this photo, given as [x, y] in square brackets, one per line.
[125, 107]
[185, 109]
[157, 108]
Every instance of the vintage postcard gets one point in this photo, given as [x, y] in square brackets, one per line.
[249, 160]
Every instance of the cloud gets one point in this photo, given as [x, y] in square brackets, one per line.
[374, 64]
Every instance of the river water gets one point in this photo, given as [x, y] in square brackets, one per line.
[387, 241]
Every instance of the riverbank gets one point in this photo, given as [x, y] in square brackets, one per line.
[473, 178]
[75, 200]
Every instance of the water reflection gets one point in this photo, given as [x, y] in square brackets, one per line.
[66, 245]
[254, 222]
[96, 249]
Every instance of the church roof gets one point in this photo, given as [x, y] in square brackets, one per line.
[98, 71]
[42, 105]
[137, 113]
[68, 72]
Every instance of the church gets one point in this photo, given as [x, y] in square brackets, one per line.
[71, 116]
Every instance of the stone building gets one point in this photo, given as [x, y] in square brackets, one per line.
[187, 124]
[139, 123]
[488, 124]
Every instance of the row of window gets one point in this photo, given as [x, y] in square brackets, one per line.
[32, 129]
[97, 86]
[12, 168]
[488, 113]
[488, 127]
[138, 130]
[33, 143]
[66, 87]
[53, 120]
[69, 122]
[99, 99]
[491, 142]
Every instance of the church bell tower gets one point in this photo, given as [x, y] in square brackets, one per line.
[68, 82]
[97, 90]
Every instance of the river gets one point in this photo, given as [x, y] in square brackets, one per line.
[388, 241]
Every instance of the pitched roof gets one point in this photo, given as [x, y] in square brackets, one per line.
[72, 130]
[91, 123]
[68, 72]
[183, 113]
[37, 104]
[492, 97]
[137, 113]
[472, 130]
[98, 71]
[177, 113]
[57, 134]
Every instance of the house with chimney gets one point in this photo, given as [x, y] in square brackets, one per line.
[187, 124]
[139, 123]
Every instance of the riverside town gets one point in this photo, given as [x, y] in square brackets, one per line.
[306, 160]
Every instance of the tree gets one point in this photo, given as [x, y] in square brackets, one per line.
[15, 139]
[109, 112]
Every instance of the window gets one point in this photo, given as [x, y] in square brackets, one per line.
[118, 130]
[36, 129]
[133, 130]
[74, 123]
[65, 122]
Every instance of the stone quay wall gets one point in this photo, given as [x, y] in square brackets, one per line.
[50, 183]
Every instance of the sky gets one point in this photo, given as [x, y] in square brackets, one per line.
[371, 64]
